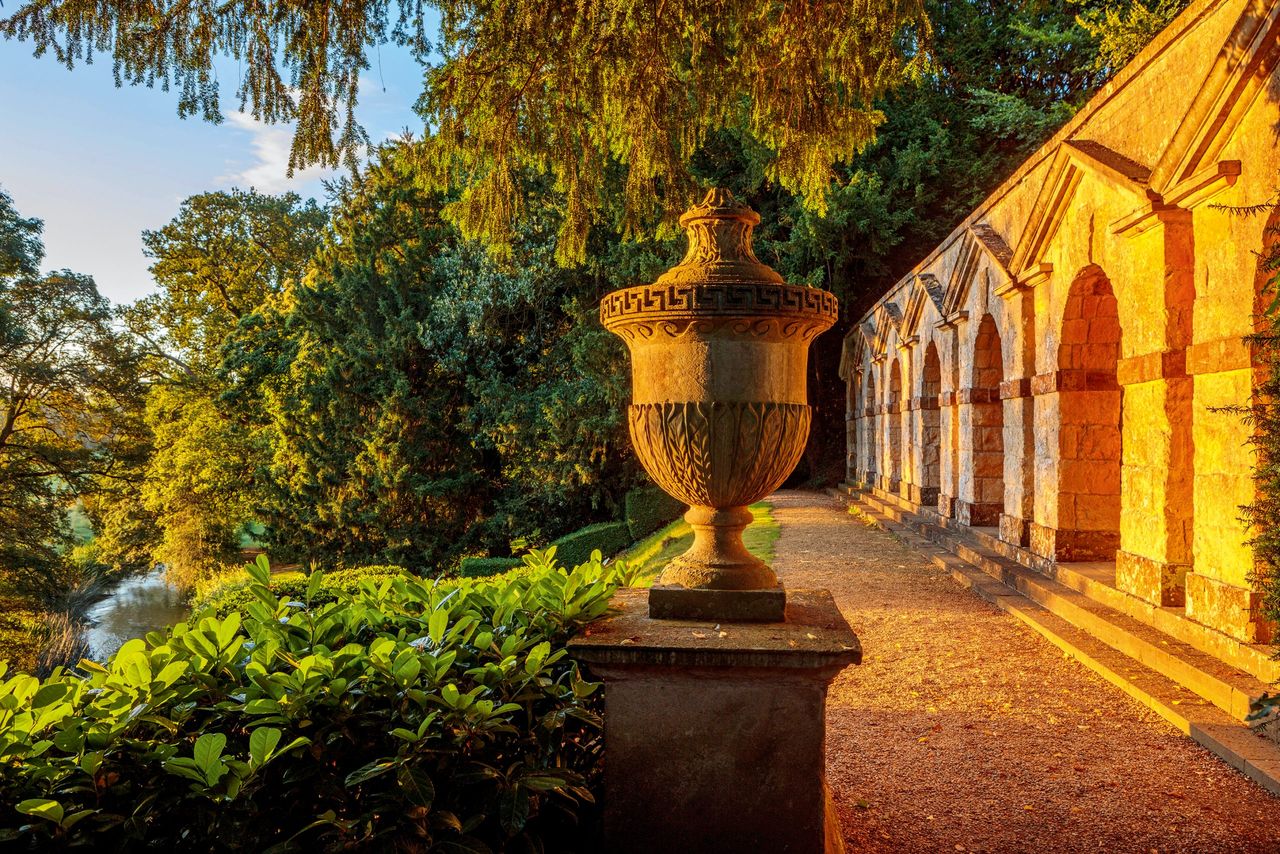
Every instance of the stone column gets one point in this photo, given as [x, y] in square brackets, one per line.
[1157, 520]
[1020, 425]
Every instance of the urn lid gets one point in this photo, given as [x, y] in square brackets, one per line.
[719, 230]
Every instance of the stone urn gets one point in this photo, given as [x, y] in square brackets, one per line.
[719, 413]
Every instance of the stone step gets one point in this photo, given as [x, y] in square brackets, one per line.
[1230, 689]
[1096, 583]
[1205, 699]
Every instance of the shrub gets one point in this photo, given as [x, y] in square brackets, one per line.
[608, 537]
[235, 590]
[405, 715]
[648, 509]
[22, 629]
[482, 567]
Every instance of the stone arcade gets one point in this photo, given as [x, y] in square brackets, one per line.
[1055, 369]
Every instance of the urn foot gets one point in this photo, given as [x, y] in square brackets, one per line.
[717, 559]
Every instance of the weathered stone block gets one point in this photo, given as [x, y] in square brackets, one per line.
[925, 496]
[978, 513]
[1230, 609]
[674, 602]
[1014, 530]
[1151, 580]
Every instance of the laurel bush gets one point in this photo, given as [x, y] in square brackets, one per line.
[401, 715]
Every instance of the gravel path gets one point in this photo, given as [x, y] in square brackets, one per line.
[965, 731]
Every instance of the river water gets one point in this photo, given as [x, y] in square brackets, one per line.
[140, 604]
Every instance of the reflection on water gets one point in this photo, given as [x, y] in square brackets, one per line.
[141, 604]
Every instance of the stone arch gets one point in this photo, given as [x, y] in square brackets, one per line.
[894, 425]
[1090, 405]
[930, 426]
[986, 433]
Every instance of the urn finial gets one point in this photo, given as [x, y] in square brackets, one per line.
[719, 230]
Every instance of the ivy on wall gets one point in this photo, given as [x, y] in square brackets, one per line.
[1263, 413]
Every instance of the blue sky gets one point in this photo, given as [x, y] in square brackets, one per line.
[100, 164]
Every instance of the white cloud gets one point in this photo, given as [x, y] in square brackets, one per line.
[269, 144]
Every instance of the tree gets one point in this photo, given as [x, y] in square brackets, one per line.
[223, 256]
[68, 387]
[1123, 30]
[427, 400]
[217, 261]
[567, 88]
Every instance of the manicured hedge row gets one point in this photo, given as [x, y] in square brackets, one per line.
[648, 509]
[483, 567]
[609, 537]
[236, 595]
[406, 715]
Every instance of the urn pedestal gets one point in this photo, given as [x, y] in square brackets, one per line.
[719, 413]
[715, 740]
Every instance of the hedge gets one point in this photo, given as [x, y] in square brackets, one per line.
[648, 509]
[407, 715]
[238, 593]
[609, 537]
[483, 567]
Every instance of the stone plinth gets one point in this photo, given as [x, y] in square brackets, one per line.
[715, 737]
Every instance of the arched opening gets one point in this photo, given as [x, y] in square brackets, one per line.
[895, 425]
[930, 426]
[986, 438]
[1090, 403]
[872, 415]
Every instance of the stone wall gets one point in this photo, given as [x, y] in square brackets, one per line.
[1057, 367]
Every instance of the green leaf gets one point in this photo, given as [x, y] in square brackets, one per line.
[513, 810]
[260, 570]
[171, 672]
[50, 693]
[262, 706]
[436, 625]
[42, 808]
[536, 656]
[262, 744]
[314, 581]
[417, 786]
[227, 629]
[375, 768]
[208, 749]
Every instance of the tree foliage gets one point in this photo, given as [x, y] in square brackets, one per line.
[216, 262]
[568, 88]
[68, 402]
[1123, 30]
[425, 399]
